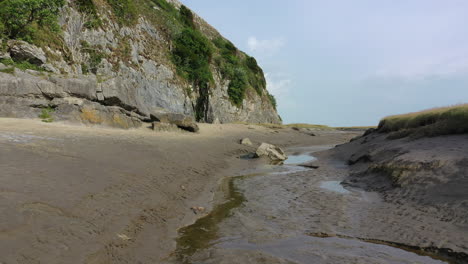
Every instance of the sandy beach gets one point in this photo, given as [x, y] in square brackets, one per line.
[77, 194]
[193, 132]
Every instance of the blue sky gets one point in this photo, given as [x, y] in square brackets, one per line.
[344, 63]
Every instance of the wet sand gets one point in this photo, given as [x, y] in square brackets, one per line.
[291, 214]
[75, 194]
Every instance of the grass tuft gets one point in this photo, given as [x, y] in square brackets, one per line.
[22, 65]
[90, 115]
[8, 70]
[46, 115]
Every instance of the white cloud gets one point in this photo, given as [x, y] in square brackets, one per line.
[278, 85]
[267, 47]
[420, 68]
[281, 86]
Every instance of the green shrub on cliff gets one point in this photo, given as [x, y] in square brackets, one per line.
[237, 87]
[192, 51]
[255, 75]
[192, 54]
[89, 8]
[2, 30]
[432, 122]
[21, 18]
[230, 67]
[22, 65]
[242, 71]
[163, 4]
[125, 11]
[272, 100]
[95, 57]
[186, 16]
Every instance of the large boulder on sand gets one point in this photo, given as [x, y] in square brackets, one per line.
[163, 127]
[180, 120]
[271, 151]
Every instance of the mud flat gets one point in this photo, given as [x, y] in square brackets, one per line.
[293, 214]
[75, 194]
[423, 184]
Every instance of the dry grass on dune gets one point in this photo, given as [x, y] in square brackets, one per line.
[350, 128]
[325, 127]
[312, 126]
[282, 126]
[307, 126]
[431, 122]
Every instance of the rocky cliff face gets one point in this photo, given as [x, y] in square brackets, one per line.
[104, 67]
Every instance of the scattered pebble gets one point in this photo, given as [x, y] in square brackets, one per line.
[123, 237]
[198, 209]
[246, 142]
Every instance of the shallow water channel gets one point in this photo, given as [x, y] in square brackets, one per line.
[275, 216]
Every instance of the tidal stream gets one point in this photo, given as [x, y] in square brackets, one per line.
[280, 215]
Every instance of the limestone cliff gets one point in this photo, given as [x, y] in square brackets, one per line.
[115, 62]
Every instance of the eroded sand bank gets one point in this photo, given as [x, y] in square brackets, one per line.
[296, 214]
